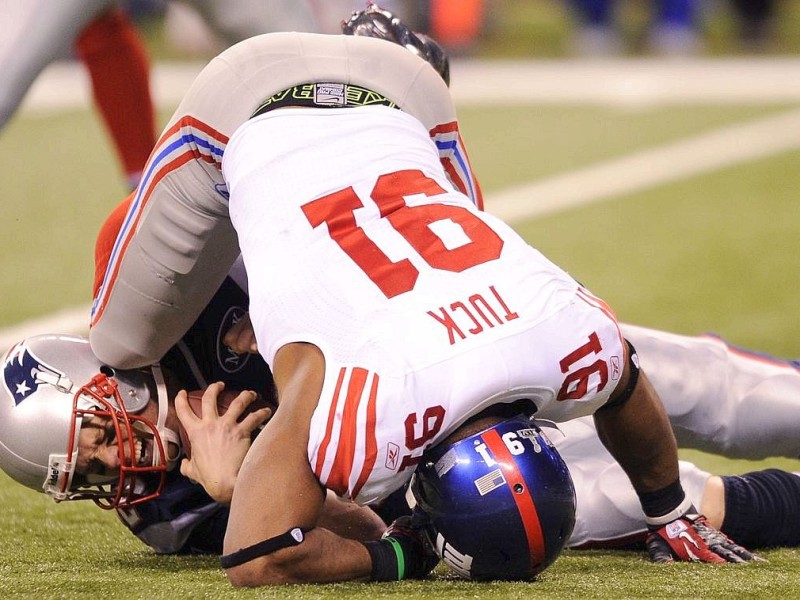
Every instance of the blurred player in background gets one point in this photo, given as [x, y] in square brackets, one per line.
[756, 21]
[102, 35]
[673, 29]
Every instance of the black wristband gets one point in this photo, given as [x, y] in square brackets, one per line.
[665, 505]
[388, 563]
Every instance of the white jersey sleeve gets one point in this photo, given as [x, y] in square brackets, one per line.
[719, 399]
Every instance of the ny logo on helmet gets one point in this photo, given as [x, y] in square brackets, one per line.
[23, 373]
[460, 563]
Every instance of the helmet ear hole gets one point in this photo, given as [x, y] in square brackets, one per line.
[107, 371]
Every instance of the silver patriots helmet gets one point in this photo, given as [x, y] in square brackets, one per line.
[51, 386]
[379, 23]
[498, 504]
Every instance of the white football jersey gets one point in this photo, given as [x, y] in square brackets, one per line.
[426, 309]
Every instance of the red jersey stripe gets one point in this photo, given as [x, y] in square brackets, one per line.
[598, 303]
[181, 137]
[593, 300]
[112, 278]
[370, 439]
[323, 447]
[339, 476]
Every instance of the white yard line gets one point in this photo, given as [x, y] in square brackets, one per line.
[649, 168]
[625, 83]
[628, 83]
[73, 320]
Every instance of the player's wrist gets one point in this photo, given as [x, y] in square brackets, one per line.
[665, 505]
[388, 560]
[220, 489]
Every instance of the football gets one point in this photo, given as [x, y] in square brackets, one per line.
[223, 403]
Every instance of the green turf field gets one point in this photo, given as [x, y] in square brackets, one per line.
[713, 252]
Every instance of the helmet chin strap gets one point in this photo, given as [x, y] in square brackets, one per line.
[167, 435]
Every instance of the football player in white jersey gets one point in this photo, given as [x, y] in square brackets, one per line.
[390, 310]
[760, 508]
[711, 414]
[708, 388]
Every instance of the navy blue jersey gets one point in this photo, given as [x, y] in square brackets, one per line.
[183, 519]
[200, 358]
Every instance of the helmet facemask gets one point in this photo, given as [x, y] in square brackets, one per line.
[141, 451]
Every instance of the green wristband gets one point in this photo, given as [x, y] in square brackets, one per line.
[388, 560]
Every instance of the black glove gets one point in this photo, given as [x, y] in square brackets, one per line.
[401, 553]
[691, 538]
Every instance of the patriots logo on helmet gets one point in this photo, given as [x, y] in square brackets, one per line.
[21, 373]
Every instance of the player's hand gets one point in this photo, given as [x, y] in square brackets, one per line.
[419, 559]
[692, 538]
[219, 443]
[240, 337]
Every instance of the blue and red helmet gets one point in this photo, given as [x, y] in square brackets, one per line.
[499, 504]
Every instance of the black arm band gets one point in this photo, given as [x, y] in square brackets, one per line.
[293, 537]
[633, 379]
[665, 505]
[387, 560]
